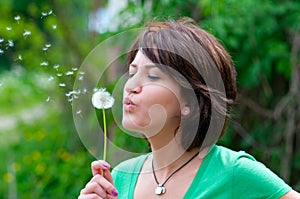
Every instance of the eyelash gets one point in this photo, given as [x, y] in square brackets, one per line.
[152, 77]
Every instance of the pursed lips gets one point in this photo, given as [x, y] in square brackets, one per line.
[128, 104]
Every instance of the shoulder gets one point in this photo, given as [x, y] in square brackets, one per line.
[230, 158]
[251, 176]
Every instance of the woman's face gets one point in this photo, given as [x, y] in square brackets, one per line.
[152, 100]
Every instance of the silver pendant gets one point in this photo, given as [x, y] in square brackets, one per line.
[160, 189]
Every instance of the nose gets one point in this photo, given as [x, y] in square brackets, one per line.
[133, 86]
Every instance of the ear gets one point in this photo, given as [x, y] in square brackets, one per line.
[185, 111]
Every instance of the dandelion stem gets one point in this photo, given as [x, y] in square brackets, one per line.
[105, 134]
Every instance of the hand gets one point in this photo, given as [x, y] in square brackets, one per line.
[101, 186]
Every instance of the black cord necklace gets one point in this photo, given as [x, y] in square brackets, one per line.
[160, 189]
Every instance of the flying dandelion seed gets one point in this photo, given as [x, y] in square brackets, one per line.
[44, 63]
[26, 33]
[84, 91]
[20, 57]
[62, 85]
[54, 27]
[8, 28]
[80, 78]
[56, 66]
[69, 73]
[50, 78]
[78, 112]
[44, 14]
[17, 18]
[10, 43]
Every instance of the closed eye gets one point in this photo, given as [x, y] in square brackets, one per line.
[153, 77]
[130, 75]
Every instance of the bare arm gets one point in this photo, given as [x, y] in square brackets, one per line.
[291, 195]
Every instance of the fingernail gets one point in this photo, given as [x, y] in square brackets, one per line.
[114, 192]
[106, 165]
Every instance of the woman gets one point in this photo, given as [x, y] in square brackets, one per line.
[178, 95]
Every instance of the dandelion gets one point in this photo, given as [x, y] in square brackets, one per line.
[26, 33]
[102, 99]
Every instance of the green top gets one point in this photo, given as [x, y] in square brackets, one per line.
[223, 174]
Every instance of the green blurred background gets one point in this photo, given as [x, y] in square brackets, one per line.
[42, 44]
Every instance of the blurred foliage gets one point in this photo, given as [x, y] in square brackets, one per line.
[42, 154]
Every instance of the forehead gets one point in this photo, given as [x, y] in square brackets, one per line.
[141, 59]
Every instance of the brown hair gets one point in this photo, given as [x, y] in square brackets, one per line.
[196, 55]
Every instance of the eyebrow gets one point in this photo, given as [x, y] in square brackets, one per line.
[146, 65]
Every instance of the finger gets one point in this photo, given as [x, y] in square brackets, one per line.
[105, 184]
[94, 188]
[89, 196]
[99, 166]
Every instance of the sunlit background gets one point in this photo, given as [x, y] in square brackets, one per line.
[43, 44]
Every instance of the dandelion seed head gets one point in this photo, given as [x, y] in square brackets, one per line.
[102, 99]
